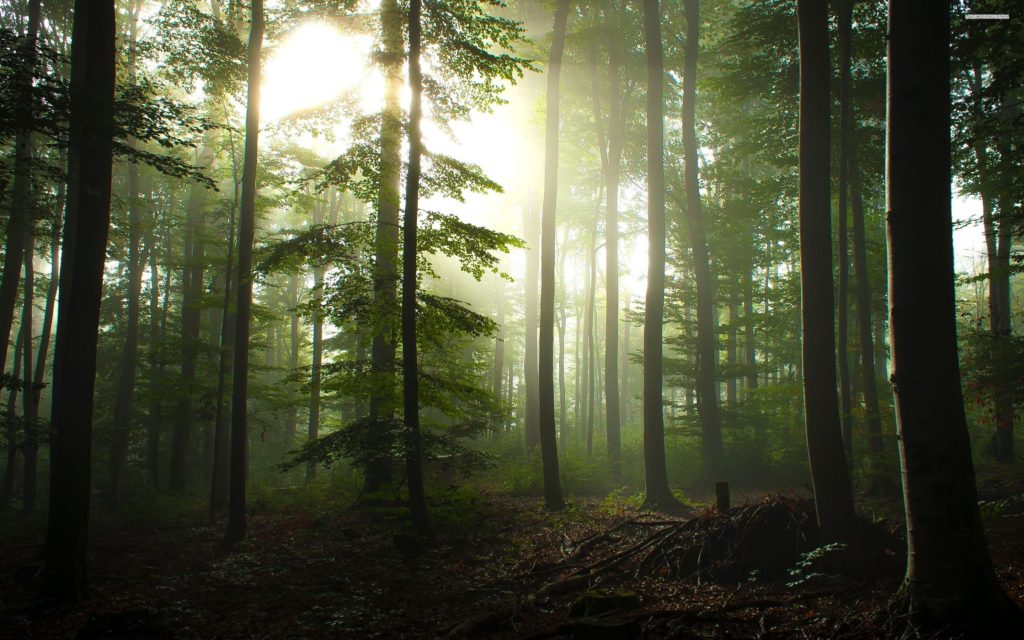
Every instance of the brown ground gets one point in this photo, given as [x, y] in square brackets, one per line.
[501, 567]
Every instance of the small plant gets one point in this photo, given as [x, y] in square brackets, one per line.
[803, 571]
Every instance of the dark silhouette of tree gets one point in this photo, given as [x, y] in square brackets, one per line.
[236, 526]
[655, 474]
[949, 577]
[832, 495]
[707, 340]
[546, 347]
[86, 226]
[410, 369]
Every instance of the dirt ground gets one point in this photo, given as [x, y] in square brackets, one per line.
[499, 567]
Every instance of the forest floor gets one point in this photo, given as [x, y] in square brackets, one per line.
[498, 567]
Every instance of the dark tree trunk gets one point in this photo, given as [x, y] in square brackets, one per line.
[616, 136]
[832, 494]
[30, 448]
[313, 426]
[410, 369]
[220, 476]
[236, 526]
[707, 341]
[750, 361]
[655, 472]
[10, 471]
[845, 140]
[498, 374]
[81, 284]
[730, 349]
[191, 319]
[949, 576]
[531, 229]
[546, 351]
[385, 278]
[292, 416]
[864, 321]
[19, 223]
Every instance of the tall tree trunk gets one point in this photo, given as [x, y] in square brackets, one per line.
[292, 416]
[655, 472]
[845, 134]
[313, 426]
[236, 526]
[531, 229]
[410, 368]
[616, 136]
[750, 361]
[385, 277]
[499, 358]
[220, 477]
[191, 319]
[626, 401]
[832, 495]
[707, 342]
[19, 223]
[949, 575]
[588, 329]
[546, 351]
[730, 349]
[864, 321]
[81, 284]
[10, 472]
[30, 448]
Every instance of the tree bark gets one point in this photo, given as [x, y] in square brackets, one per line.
[864, 320]
[655, 473]
[707, 341]
[220, 477]
[385, 277]
[546, 352]
[10, 471]
[81, 284]
[236, 526]
[19, 223]
[832, 493]
[949, 577]
[410, 368]
[531, 421]
[845, 129]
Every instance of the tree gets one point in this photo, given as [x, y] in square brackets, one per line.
[832, 495]
[655, 474]
[707, 341]
[236, 526]
[546, 348]
[410, 369]
[613, 169]
[86, 226]
[949, 577]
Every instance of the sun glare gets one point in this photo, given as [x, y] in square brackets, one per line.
[315, 64]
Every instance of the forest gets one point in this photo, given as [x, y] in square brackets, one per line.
[605, 319]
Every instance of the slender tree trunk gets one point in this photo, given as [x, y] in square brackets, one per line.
[626, 401]
[499, 357]
[655, 473]
[616, 136]
[385, 277]
[30, 448]
[845, 129]
[589, 329]
[81, 283]
[313, 426]
[949, 572]
[546, 360]
[236, 526]
[220, 478]
[11, 471]
[730, 349]
[864, 322]
[748, 333]
[707, 347]
[832, 494]
[531, 230]
[191, 319]
[19, 223]
[410, 368]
